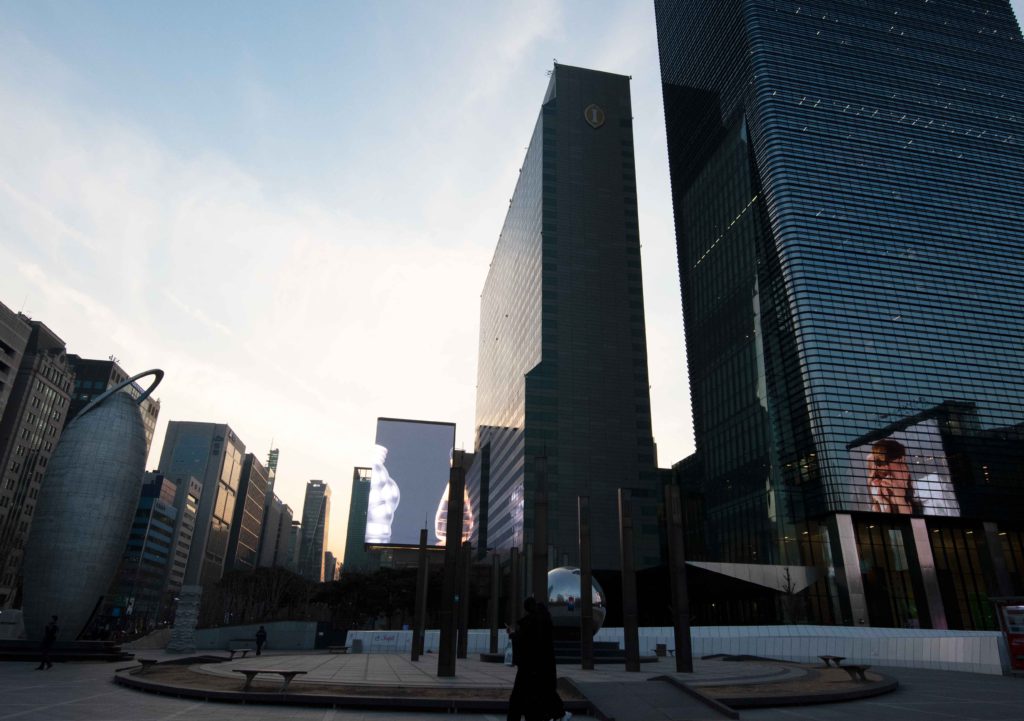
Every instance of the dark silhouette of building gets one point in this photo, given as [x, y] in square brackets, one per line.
[316, 518]
[357, 557]
[846, 183]
[277, 523]
[562, 370]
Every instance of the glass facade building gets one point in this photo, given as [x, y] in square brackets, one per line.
[247, 523]
[316, 518]
[848, 188]
[213, 454]
[562, 371]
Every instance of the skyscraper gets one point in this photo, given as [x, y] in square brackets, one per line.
[14, 333]
[316, 517]
[29, 429]
[212, 453]
[93, 377]
[277, 523]
[357, 558]
[847, 181]
[562, 371]
[247, 521]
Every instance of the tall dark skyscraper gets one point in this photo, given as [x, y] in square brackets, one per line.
[562, 368]
[848, 188]
[316, 519]
[357, 558]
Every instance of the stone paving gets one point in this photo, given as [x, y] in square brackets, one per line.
[84, 691]
[397, 670]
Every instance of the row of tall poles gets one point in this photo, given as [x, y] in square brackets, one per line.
[454, 609]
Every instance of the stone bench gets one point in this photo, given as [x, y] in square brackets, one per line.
[856, 672]
[337, 649]
[833, 659]
[145, 665]
[492, 657]
[250, 674]
[235, 651]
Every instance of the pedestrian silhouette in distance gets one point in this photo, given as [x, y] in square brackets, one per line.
[261, 638]
[49, 638]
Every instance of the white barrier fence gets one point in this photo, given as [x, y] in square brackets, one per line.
[971, 651]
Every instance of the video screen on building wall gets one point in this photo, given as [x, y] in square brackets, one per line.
[409, 472]
[905, 472]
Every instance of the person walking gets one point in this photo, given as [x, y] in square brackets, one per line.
[261, 638]
[49, 638]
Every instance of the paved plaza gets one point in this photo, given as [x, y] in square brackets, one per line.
[84, 691]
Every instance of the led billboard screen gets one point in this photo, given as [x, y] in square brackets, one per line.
[408, 480]
[906, 472]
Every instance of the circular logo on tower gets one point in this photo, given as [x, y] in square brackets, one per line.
[594, 116]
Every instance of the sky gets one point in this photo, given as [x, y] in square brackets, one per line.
[290, 207]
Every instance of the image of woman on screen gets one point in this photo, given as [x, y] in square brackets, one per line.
[889, 478]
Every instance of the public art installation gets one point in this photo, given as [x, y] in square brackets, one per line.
[384, 499]
[84, 512]
[564, 598]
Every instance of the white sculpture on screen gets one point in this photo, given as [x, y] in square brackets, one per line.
[384, 498]
[441, 518]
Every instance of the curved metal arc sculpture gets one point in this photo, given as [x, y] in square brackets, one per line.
[159, 374]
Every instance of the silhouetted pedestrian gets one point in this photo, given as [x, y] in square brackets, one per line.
[49, 638]
[261, 638]
[550, 703]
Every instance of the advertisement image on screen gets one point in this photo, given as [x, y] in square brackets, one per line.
[408, 480]
[906, 472]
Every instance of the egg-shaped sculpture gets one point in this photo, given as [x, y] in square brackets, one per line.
[84, 512]
[564, 585]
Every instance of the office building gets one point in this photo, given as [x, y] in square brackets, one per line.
[37, 404]
[316, 517]
[247, 522]
[562, 371]
[213, 454]
[294, 547]
[357, 557]
[847, 181]
[330, 567]
[277, 523]
[187, 495]
[137, 600]
[94, 377]
[14, 333]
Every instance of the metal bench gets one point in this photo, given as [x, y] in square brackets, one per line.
[337, 649]
[856, 672]
[146, 665]
[834, 659]
[250, 674]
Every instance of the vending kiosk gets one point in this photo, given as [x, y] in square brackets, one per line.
[1010, 611]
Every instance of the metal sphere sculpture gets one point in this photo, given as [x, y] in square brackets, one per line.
[84, 512]
[564, 598]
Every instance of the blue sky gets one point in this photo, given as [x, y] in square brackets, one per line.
[290, 207]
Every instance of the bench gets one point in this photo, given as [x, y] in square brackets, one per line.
[250, 674]
[146, 665]
[337, 649]
[492, 657]
[234, 651]
[237, 644]
[856, 672]
[834, 659]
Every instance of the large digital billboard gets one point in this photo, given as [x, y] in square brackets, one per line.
[906, 472]
[408, 480]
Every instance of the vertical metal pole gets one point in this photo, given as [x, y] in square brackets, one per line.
[515, 591]
[493, 605]
[420, 615]
[630, 625]
[677, 579]
[539, 569]
[586, 587]
[449, 587]
[465, 563]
